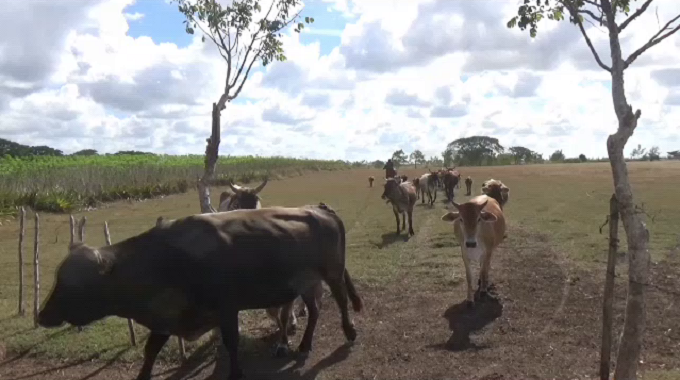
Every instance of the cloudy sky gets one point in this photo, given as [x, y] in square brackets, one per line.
[367, 78]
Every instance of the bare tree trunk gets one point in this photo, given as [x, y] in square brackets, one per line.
[607, 304]
[211, 155]
[637, 235]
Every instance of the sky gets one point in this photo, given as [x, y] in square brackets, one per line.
[366, 78]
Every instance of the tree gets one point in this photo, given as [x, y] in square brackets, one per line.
[378, 164]
[435, 162]
[475, 150]
[521, 153]
[86, 152]
[637, 235]
[242, 40]
[557, 156]
[654, 154]
[582, 157]
[674, 155]
[637, 152]
[399, 157]
[447, 156]
[417, 157]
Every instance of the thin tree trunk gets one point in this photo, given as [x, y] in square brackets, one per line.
[36, 272]
[22, 230]
[211, 155]
[637, 235]
[608, 303]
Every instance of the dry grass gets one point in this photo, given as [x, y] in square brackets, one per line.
[564, 205]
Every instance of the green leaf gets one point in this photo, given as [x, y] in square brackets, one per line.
[203, 38]
[190, 30]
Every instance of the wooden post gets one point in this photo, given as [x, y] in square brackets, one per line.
[131, 324]
[607, 306]
[180, 341]
[81, 229]
[73, 228]
[36, 272]
[22, 230]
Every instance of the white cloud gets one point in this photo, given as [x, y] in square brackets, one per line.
[403, 75]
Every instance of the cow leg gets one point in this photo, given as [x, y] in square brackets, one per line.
[484, 274]
[339, 291]
[396, 215]
[410, 221]
[153, 346]
[310, 300]
[282, 348]
[230, 338]
[403, 220]
[468, 277]
[292, 326]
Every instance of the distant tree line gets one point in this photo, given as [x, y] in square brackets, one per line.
[486, 151]
[13, 149]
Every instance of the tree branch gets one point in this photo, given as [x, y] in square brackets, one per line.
[591, 2]
[599, 19]
[574, 14]
[637, 13]
[245, 77]
[658, 37]
[228, 57]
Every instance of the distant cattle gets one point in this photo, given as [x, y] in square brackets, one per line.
[416, 185]
[496, 190]
[428, 185]
[479, 227]
[190, 275]
[451, 178]
[370, 181]
[468, 186]
[402, 196]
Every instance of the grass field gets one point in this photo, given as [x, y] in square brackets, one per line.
[548, 273]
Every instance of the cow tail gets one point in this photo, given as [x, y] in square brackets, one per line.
[357, 303]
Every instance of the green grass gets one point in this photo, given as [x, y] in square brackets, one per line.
[566, 202]
[62, 184]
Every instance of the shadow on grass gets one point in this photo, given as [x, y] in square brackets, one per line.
[42, 374]
[464, 321]
[23, 353]
[255, 364]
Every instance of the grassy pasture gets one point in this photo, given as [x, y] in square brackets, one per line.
[554, 210]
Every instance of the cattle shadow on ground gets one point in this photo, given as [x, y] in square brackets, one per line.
[26, 351]
[464, 321]
[42, 374]
[390, 238]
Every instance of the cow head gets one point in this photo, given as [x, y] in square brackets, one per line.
[496, 190]
[78, 295]
[243, 197]
[471, 214]
[391, 188]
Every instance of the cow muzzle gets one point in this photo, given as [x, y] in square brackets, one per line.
[471, 243]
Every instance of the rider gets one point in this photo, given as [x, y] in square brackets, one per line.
[389, 169]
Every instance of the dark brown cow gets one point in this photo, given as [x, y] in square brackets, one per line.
[416, 185]
[468, 186]
[451, 179]
[370, 181]
[188, 276]
[403, 198]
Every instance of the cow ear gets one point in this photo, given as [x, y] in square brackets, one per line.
[488, 217]
[505, 189]
[450, 216]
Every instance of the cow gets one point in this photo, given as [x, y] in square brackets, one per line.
[496, 190]
[403, 177]
[370, 181]
[468, 186]
[402, 196]
[190, 275]
[450, 179]
[242, 198]
[479, 227]
[416, 184]
[247, 198]
[428, 185]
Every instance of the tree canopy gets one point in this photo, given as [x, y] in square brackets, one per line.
[475, 150]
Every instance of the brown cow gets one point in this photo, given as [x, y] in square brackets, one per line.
[468, 186]
[428, 185]
[479, 226]
[416, 184]
[403, 198]
[496, 190]
[370, 181]
[451, 178]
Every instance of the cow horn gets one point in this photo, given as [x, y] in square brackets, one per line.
[262, 185]
[234, 188]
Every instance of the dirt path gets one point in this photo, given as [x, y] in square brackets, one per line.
[544, 325]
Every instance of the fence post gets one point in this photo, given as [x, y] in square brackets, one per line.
[608, 302]
[81, 235]
[36, 272]
[22, 231]
[131, 325]
[72, 223]
[180, 341]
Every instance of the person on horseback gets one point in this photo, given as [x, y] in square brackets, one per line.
[389, 169]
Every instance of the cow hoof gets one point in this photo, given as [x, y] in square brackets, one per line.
[281, 350]
[351, 333]
[410, 232]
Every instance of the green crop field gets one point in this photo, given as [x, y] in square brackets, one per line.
[61, 184]
[549, 275]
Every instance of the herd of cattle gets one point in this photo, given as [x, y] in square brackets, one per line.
[187, 276]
